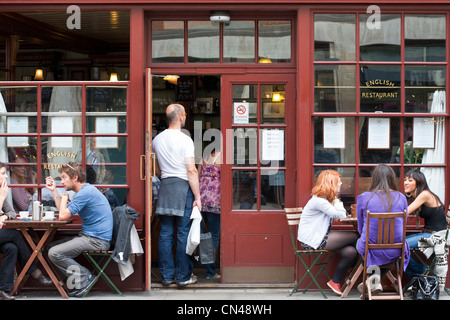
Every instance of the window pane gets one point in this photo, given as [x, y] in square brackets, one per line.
[425, 37]
[245, 96]
[245, 146]
[324, 154]
[334, 37]
[334, 88]
[273, 99]
[57, 151]
[274, 41]
[387, 144]
[61, 107]
[380, 88]
[244, 190]
[106, 99]
[273, 147]
[239, 41]
[272, 189]
[203, 41]
[167, 41]
[423, 85]
[377, 44]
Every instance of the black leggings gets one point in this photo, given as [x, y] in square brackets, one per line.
[344, 244]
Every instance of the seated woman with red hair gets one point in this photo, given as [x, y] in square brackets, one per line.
[314, 231]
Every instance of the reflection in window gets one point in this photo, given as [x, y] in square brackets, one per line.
[421, 84]
[380, 154]
[334, 37]
[347, 193]
[239, 41]
[376, 44]
[203, 41]
[322, 154]
[272, 190]
[380, 88]
[167, 41]
[245, 144]
[334, 88]
[273, 103]
[244, 190]
[425, 37]
[274, 41]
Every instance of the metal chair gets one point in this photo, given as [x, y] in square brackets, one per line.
[293, 219]
[100, 267]
[385, 224]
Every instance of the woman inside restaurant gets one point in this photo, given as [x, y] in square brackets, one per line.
[381, 197]
[12, 245]
[315, 232]
[423, 203]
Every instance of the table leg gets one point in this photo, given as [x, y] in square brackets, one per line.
[49, 233]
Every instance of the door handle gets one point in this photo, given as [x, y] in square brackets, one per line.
[153, 164]
[142, 167]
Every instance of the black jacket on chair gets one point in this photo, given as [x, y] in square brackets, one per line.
[124, 218]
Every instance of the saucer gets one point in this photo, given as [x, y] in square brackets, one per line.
[47, 219]
[20, 218]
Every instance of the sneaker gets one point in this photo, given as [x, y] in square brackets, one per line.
[191, 280]
[216, 276]
[82, 291]
[167, 282]
[336, 287]
[373, 283]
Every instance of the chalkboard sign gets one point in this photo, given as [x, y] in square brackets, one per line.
[185, 89]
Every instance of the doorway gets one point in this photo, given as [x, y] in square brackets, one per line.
[200, 95]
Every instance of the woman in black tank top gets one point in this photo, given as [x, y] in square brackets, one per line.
[423, 203]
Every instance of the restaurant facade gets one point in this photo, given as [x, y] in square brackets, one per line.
[285, 88]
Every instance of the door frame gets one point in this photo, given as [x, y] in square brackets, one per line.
[239, 224]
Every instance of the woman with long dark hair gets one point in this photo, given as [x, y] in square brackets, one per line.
[381, 197]
[427, 205]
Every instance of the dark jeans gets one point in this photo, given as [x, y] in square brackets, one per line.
[213, 221]
[13, 248]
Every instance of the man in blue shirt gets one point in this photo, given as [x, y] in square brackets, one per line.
[96, 227]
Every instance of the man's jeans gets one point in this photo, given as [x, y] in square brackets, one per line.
[63, 252]
[415, 267]
[180, 270]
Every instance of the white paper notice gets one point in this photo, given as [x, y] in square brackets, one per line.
[241, 112]
[107, 125]
[17, 125]
[334, 133]
[62, 125]
[423, 133]
[272, 145]
[379, 133]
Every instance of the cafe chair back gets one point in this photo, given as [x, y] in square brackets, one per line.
[386, 225]
[310, 259]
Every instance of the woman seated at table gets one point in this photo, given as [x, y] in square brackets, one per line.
[381, 197]
[315, 232]
[12, 245]
[427, 205]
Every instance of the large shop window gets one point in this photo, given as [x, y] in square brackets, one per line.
[380, 98]
[43, 127]
[246, 41]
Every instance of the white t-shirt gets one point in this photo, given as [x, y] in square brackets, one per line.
[172, 147]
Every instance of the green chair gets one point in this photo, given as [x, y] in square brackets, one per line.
[293, 219]
[104, 258]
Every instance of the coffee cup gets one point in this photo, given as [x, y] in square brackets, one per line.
[49, 215]
[23, 214]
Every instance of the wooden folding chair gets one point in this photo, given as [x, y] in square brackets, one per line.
[293, 219]
[386, 226]
[100, 267]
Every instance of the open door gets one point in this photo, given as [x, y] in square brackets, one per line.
[147, 172]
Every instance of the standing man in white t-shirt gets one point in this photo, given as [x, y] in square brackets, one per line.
[178, 193]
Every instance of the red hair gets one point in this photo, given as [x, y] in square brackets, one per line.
[326, 185]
